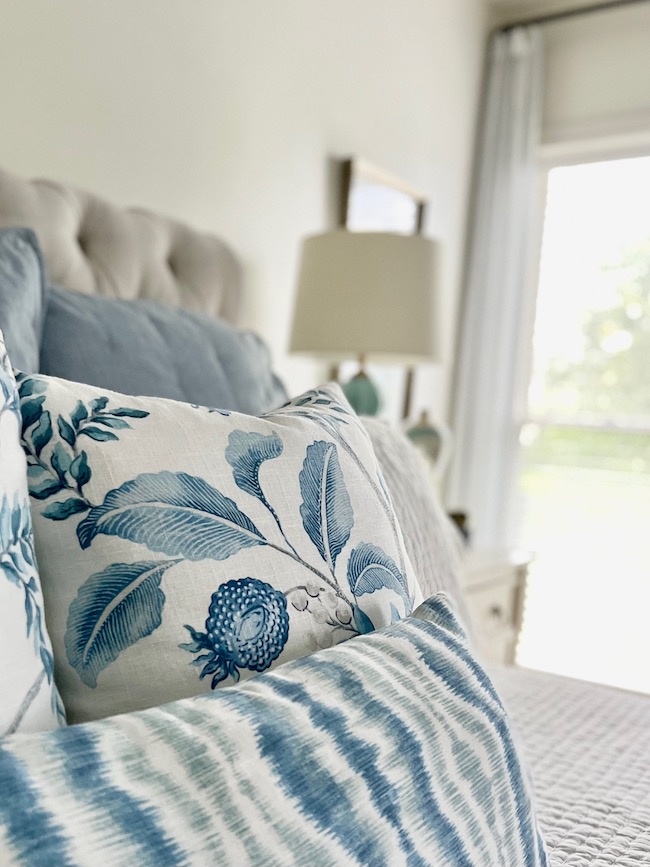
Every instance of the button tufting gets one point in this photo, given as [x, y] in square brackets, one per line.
[92, 246]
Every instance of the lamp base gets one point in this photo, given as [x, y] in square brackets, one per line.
[434, 440]
[362, 394]
[426, 437]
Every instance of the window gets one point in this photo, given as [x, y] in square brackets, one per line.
[583, 487]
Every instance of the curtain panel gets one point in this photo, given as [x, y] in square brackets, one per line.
[485, 426]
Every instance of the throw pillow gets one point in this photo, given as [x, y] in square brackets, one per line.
[23, 294]
[135, 347]
[30, 701]
[432, 540]
[144, 347]
[391, 749]
[183, 547]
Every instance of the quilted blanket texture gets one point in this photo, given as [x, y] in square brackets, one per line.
[588, 747]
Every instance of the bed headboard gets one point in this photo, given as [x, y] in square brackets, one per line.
[94, 247]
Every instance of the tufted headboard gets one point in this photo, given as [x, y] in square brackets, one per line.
[94, 247]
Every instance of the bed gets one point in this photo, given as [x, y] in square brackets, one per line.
[587, 747]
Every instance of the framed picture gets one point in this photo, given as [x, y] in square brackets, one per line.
[372, 200]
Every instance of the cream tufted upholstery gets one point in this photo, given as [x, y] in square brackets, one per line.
[94, 247]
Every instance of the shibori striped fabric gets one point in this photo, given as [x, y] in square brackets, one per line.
[389, 749]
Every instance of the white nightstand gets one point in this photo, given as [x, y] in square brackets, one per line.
[494, 584]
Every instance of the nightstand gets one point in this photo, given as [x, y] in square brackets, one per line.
[494, 585]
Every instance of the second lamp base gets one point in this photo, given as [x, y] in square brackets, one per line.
[362, 394]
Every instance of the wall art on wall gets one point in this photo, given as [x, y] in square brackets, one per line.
[374, 200]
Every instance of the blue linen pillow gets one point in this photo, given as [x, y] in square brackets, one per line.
[146, 348]
[23, 296]
[390, 749]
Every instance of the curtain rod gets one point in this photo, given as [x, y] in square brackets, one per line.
[569, 13]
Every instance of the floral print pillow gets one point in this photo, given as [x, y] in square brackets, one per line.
[29, 699]
[184, 548]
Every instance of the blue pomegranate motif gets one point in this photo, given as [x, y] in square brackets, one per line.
[247, 627]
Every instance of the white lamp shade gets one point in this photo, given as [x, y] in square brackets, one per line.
[367, 293]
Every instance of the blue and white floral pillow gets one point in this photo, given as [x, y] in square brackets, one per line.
[182, 548]
[29, 700]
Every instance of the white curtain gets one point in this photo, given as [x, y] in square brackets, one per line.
[505, 189]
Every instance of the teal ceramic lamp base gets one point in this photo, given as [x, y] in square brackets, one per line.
[427, 438]
[362, 394]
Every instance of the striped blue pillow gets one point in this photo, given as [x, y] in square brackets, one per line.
[389, 749]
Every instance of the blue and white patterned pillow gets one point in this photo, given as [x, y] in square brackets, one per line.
[182, 548]
[391, 749]
[29, 700]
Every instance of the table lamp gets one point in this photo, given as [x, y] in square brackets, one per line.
[366, 294]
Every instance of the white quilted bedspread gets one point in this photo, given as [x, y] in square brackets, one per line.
[588, 748]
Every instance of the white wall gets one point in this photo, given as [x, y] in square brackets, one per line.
[229, 114]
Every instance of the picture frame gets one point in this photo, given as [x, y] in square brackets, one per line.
[374, 200]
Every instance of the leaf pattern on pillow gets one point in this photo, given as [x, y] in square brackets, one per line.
[182, 516]
[310, 406]
[67, 470]
[370, 569]
[18, 563]
[113, 610]
[173, 513]
[326, 509]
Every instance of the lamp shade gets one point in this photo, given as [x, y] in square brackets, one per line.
[370, 293]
